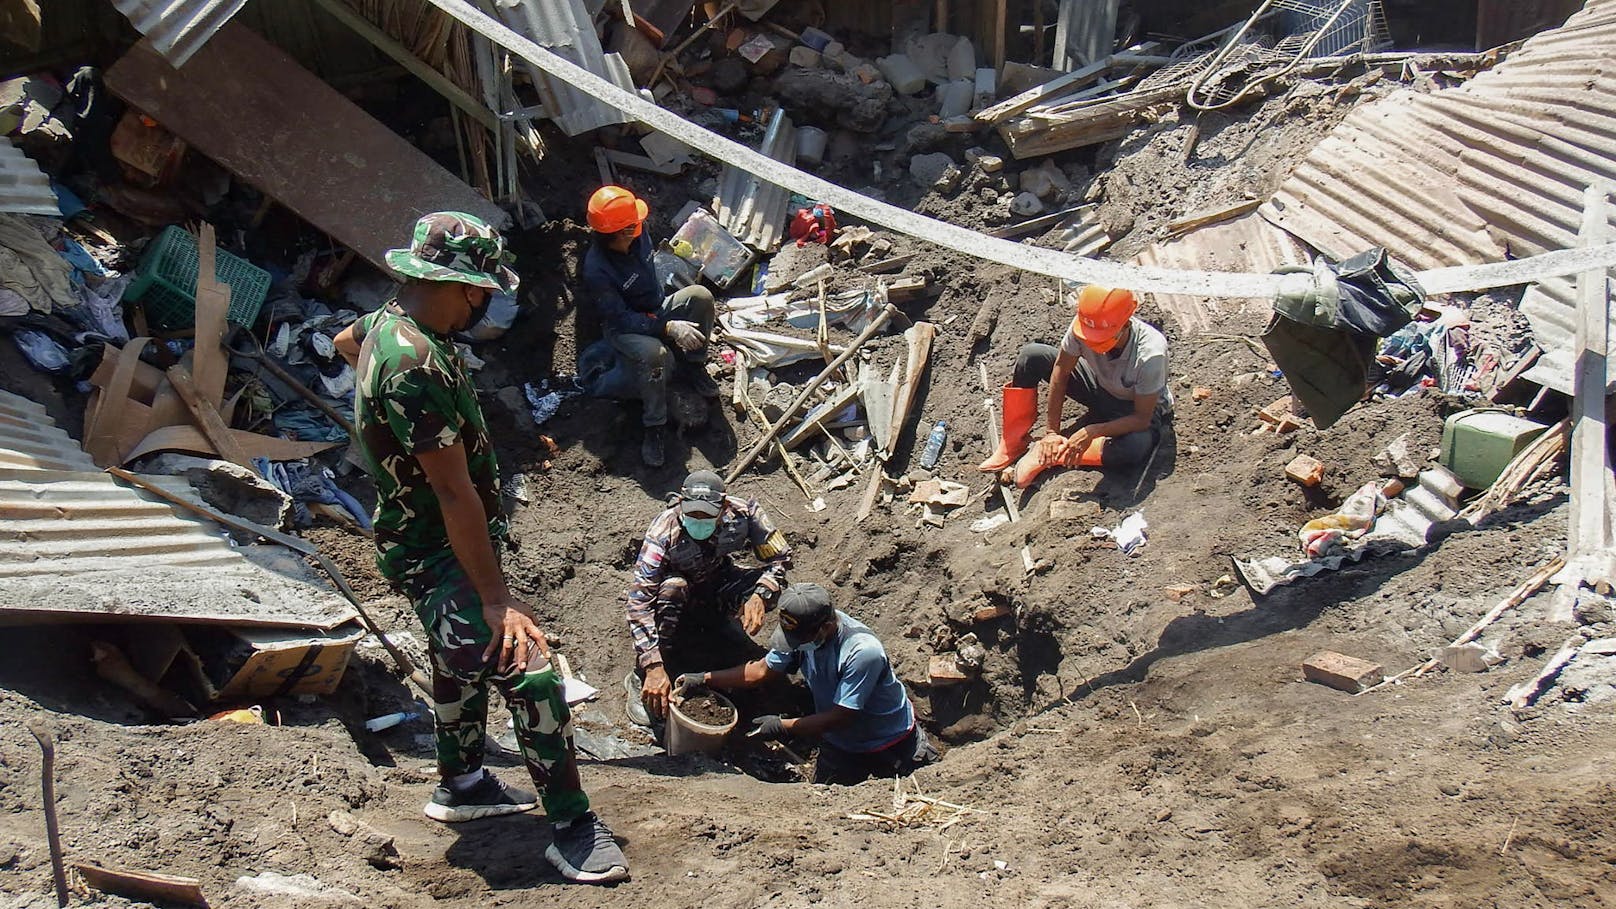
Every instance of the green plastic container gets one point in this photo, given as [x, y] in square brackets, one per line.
[165, 283]
[1478, 444]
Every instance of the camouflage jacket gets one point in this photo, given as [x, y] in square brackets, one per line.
[668, 551]
[413, 396]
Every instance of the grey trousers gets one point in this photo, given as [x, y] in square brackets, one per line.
[1034, 364]
[652, 358]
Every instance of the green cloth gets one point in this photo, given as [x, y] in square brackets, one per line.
[413, 396]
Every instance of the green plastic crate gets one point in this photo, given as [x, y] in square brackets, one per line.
[165, 283]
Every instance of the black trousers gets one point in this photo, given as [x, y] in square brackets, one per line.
[1034, 364]
[901, 758]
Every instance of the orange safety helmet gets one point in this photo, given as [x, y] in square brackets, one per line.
[1102, 313]
[613, 208]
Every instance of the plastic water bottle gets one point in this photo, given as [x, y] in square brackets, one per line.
[934, 445]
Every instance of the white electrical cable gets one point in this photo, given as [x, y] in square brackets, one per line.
[1054, 263]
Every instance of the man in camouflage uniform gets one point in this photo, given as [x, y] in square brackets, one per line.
[690, 606]
[438, 526]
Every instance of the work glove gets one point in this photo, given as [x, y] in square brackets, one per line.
[768, 728]
[686, 336]
[689, 682]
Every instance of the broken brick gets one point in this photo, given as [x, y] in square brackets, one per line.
[990, 613]
[1306, 470]
[1200, 393]
[945, 671]
[1179, 591]
[1342, 672]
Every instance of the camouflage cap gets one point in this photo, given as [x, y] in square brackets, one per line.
[455, 246]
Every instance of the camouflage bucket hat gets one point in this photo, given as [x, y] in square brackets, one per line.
[455, 246]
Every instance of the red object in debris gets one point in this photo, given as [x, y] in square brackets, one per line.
[815, 224]
[704, 96]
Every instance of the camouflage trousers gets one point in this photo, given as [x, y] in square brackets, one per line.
[457, 635]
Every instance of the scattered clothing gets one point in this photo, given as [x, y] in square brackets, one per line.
[31, 268]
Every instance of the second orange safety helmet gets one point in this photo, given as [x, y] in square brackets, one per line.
[1101, 314]
[613, 208]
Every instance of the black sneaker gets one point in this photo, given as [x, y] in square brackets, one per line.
[651, 449]
[585, 852]
[488, 797]
[700, 382]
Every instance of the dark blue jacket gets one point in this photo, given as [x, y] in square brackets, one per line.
[625, 289]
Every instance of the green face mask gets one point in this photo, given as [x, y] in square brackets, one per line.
[699, 528]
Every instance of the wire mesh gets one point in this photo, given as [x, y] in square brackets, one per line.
[1278, 36]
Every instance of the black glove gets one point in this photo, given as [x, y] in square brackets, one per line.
[690, 681]
[768, 728]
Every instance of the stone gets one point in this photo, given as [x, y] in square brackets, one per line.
[805, 57]
[954, 98]
[1306, 470]
[1026, 205]
[834, 52]
[1072, 510]
[979, 158]
[962, 61]
[950, 180]
[927, 169]
[1342, 672]
[901, 73]
[1200, 393]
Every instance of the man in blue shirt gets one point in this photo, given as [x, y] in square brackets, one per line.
[653, 333]
[862, 716]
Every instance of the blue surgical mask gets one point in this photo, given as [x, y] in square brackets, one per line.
[699, 528]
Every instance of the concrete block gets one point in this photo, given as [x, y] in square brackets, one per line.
[1342, 672]
[987, 163]
[805, 57]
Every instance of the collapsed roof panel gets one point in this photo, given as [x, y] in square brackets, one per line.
[1494, 168]
[77, 545]
[23, 187]
[178, 28]
[247, 105]
[565, 28]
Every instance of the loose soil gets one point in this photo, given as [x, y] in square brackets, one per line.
[1126, 744]
[705, 708]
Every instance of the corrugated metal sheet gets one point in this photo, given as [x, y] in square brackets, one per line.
[1247, 242]
[754, 210]
[565, 28]
[1488, 170]
[76, 544]
[1085, 31]
[177, 28]
[23, 187]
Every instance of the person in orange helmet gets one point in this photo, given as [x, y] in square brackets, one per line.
[1113, 364]
[658, 335]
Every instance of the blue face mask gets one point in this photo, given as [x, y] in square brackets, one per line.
[699, 528]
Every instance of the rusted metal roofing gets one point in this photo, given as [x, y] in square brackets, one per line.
[1245, 242]
[565, 28]
[750, 208]
[1489, 170]
[178, 27]
[77, 545]
[23, 187]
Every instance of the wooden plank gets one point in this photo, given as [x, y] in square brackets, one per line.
[190, 440]
[208, 419]
[1213, 216]
[1055, 88]
[208, 361]
[879, 397]
[247, 105]
[422, 70]
[1592, 539]
[817, 417]
[1034, 226]
[918, 337]
[143, 885]
[641, 163]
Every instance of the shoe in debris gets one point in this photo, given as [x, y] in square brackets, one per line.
[632, 704]
[585, 852]
[652, 448]
[488, 797]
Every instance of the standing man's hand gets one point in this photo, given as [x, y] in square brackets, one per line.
[517, 637]
[686, 336]
[752, 614]
[654, 691]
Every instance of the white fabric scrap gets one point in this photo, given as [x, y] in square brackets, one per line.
[1129, 536]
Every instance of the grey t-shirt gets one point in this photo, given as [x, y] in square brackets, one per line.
[1138, 370]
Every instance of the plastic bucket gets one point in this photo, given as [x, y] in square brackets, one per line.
[811, 145]
[687, 736]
